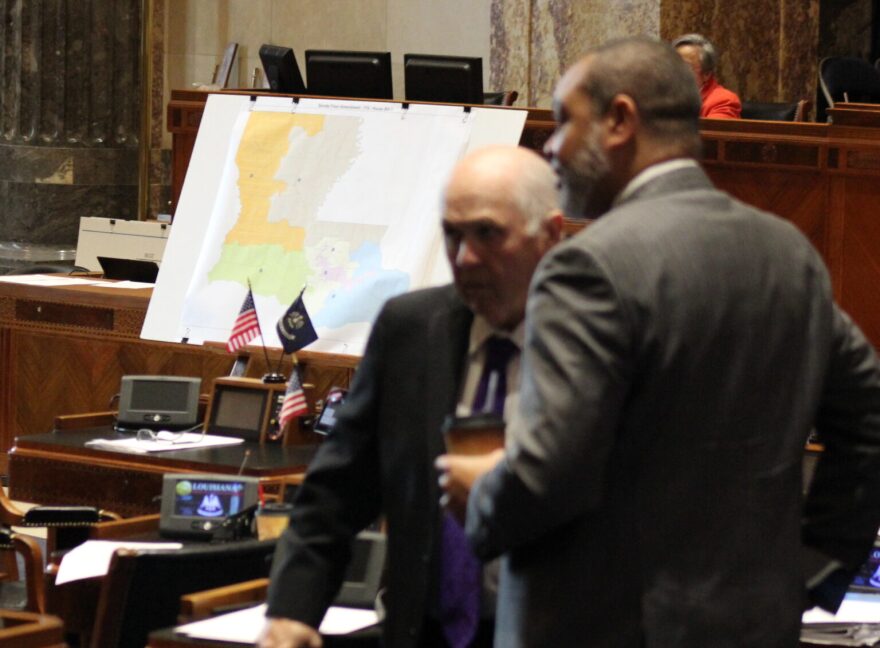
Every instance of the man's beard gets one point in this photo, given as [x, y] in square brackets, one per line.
[579, 179]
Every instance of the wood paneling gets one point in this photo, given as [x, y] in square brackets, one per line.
[65, 350]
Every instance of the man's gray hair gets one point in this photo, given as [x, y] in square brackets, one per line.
[655, 77]
[708, 54]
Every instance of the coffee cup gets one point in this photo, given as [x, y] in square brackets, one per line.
[473, 435]
[272, 519]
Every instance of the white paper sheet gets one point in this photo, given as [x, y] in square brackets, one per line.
[856, 608]
[92, 558]
[164, 442]
[244, 626]
[47, 280]
[126, 285]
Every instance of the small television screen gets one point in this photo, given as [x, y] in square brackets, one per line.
[282, 72]
[160, 395]
[169, 402]
[363, 576]
[363, 75]
[327, 419]
[237, 412]
[443, 79]
[868, 577]
[198, 504]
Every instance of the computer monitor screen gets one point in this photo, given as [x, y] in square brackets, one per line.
[449, 79]
[868, 577]
[237, 412]
[282, 72]
[364, 75]
[199, 504]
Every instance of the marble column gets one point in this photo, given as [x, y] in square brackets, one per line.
[69, 119]
[768, 47]
[534, 41]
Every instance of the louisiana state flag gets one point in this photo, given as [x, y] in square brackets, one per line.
[295, 329]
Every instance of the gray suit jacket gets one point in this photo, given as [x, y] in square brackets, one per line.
[379, 460]
[677, 354]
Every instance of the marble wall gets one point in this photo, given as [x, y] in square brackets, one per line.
[534, 41]
[845, 28]
[198, 31]
[69, 117]
[768, 47]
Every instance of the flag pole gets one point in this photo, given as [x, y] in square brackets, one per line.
[271, 377]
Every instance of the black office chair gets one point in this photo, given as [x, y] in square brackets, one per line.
[142, 589]
[775, 111]
[844, 78]
[501, 98]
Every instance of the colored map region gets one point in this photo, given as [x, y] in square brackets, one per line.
[343, 202]
[281, 190]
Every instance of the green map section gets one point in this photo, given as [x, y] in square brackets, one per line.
[285, 274]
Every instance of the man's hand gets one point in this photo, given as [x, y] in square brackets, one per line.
[287, 633]
[458, 474]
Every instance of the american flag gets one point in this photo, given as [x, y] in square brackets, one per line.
[246, 326]
[294, 400]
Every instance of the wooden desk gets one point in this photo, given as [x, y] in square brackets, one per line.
[30, 630]
[63, 350]
[130, 484]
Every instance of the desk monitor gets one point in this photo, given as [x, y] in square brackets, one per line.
[167, 402]
[197, 505]
[282, 72]
[129, 269]
[446, 79]
[868, 577]
[363, 577]
[245, 408]
[327, 419]
[363, 75]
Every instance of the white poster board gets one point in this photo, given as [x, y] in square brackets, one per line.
[339, 197]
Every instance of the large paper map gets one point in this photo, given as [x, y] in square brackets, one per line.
[340, 198]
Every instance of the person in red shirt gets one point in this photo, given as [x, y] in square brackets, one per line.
[699, 53]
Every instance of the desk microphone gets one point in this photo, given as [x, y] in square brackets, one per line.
[247, 454]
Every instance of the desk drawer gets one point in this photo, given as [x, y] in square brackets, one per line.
[43, 312]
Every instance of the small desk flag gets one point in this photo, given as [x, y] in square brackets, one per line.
[294, 400]
[246, 326]
[295, 328]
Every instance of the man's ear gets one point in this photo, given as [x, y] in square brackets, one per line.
[621, 121]
[553, 226]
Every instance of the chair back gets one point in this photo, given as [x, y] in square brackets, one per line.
[843, 78]
[500, 98]
[142, 589]
[30, 598]
[774, 111]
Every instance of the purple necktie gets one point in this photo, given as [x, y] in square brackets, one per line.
[461, 575]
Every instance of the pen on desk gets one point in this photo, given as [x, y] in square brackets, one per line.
[247, 453]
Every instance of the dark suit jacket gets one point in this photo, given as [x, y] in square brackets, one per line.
[379, 460]
[677, 354]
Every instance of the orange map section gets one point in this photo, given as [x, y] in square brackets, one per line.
[264, 144]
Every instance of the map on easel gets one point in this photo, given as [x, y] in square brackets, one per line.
[342, 197]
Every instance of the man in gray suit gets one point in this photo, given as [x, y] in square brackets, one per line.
[678, 352]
